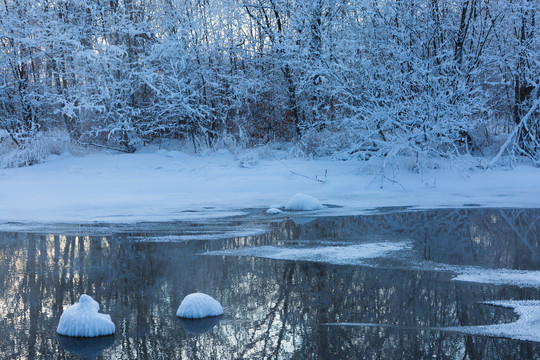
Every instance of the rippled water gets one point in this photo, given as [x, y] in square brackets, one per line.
[390, 307]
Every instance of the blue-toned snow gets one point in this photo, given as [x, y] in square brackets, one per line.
[303, 202]
[166, 185]
[83, 320]
[198, 306]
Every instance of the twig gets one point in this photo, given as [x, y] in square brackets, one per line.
[394, 182]
[307, 177]
[302, 175]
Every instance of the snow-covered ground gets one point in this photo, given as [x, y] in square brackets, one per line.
[162, 185]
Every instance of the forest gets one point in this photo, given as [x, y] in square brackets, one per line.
[343, 78]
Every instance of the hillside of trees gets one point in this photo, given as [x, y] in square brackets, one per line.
[358, 78]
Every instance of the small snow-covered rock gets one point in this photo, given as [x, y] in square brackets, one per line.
[303, 202]
[83, 320]
[273, 211]
[198, 306]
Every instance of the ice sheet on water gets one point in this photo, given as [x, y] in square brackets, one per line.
[201, 235]
[198, 306]
[344, 255]
[83, 320]
[521, 278]
[527, 327]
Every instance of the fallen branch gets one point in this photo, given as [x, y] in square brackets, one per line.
[522, 123]
[310, 178]
[100, 146]
[307, 177]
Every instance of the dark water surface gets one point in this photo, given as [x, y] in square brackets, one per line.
[274, 309]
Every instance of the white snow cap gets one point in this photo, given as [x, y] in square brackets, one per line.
[82, 319]
[273, 211]
[198, 306]
[303, 202]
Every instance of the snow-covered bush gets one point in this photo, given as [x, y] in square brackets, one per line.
[33, 150]
[386, 78]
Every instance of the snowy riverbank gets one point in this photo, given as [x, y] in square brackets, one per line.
[166, 185]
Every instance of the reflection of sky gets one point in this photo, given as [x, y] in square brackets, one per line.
[273, 309]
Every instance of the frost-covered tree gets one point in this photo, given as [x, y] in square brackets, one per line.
[428, 78]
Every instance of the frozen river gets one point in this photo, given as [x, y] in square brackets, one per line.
[395, 284]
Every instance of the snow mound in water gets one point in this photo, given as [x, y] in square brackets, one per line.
[303, 202]
[83, 320]
[198, 306]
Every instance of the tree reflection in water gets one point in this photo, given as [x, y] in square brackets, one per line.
[274, 309]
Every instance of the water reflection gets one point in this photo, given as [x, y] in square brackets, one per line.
[273, 309]
[86, 348]
[199, 326]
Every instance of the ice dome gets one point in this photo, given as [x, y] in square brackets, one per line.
[83, 320]
[198, 306]
[303, 202]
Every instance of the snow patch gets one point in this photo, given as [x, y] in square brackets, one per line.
[83, 320]
[340, 255]
[303, 202]
[527, 327]
[198, 306]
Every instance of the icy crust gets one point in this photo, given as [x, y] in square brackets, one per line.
[357, 254]
[198, 306]
[527, 327]
[340, 255]
[83, 320]
[521, 278]
[303, 202]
